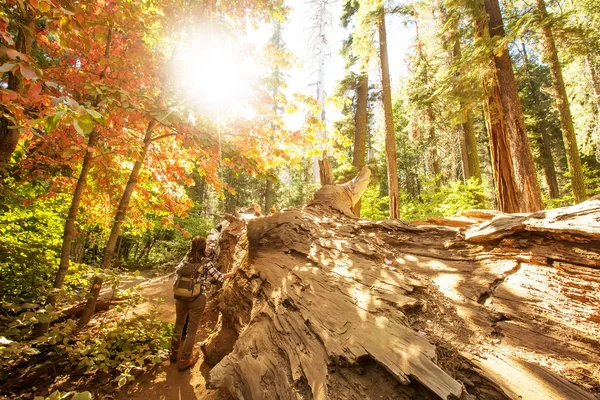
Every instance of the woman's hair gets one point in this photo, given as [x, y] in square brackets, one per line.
[197, 250]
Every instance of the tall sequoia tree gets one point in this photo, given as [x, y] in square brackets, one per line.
[517, 189]
[562, 103]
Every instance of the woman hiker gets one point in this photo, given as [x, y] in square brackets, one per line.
[190, 296]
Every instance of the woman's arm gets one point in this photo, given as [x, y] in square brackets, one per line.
[232, 273]
[219, 276]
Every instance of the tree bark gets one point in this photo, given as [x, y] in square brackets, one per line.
[505, 188]
[528, 195]
[390, 131]
[360, 128]
[544, 146]
[502, 162]
[562, 103]
[9, 136]
[109, 250]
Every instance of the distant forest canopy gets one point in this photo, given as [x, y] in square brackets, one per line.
[108, 161]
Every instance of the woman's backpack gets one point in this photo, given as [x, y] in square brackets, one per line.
[189, 280]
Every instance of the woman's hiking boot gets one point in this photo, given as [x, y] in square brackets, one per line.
[182, 365]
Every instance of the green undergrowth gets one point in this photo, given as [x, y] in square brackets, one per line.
[116, 344]
[434, 200]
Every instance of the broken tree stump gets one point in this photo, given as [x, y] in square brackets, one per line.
[325, 172]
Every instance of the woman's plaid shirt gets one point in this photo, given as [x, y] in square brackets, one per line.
[211, 272]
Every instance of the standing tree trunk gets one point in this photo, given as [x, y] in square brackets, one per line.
[432, 145]
[360, 128]
[390, 135]
[500, 154]
[109, 250]
[562, 103]
[528, 191]
[473, 167]
[9, 136]
[463, 155]
[545, 148]
[505, 189]
[268, 196]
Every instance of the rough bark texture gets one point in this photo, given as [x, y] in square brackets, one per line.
[109, 250]
[390, 132]
[562, 103]
[502, 162]
[334, 307]
[528, 194]
[360, 128]
[504, 184]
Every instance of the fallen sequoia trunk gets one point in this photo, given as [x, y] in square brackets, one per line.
[330, 306]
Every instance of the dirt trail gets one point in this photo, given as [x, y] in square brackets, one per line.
[164, 382]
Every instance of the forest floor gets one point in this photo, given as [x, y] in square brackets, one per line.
[162, 381]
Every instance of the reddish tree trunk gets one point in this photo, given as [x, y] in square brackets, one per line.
[529, 196]
[502, 163]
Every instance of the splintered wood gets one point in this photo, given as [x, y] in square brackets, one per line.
[489, 306]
